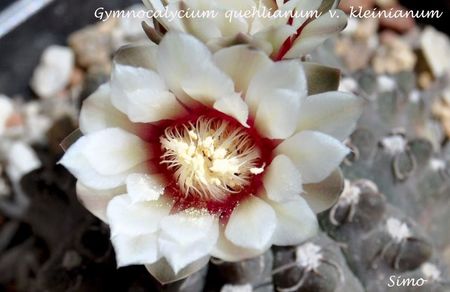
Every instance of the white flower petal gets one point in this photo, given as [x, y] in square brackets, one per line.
[316, 32]
[321, 196]
[203, 28]
[230, 60]
[233, 106]
[296, 222]
[187, 236]
[98, 113]
[142, 95]
[112, 151]
[187, 67]
[76, 162]
[144, 187]
[207, 84]
[227, 251]
[141, 55]
[333, 113]
[276, 35]
[135, 249]
[162, 271]
[188, 226]
[154, 4]
[252, 224]
[282, 180]
[274, 97]
[126, 217]
[96, 201]
[315, 154]
[305, 7]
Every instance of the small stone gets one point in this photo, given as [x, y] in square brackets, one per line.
[6, 110]
[36, 122]
[21, 159]
[71, 259]
[385, 4]
[356, 55]
[77, 77]
[441, 110]
[54, 71]
[92, 46]
[15, 120]
[348, 84]
[367, 81]
[4, 186]
[406, 82]
[237, 288]
[366, 28]
[393, 56]
[386, 83]
[399, 24]
[446, 95]
[435, 47]
[425, 80]
[414, 97]
[347, 5]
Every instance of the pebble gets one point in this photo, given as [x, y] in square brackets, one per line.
[398, 24]
[425, 80]
[394, 56]
[414, 96]
[385, 4]
[348, 84]
[346, 5]
[71, 260]
[37, 123]
[237, 288]
[367, 28]
[92, 45]
[6, 111]
[386, 83]
[21, 159]
[436, 47]
[441, 110]
[446, 95]
[54, 71]
[356, 55]
[4, 187]
[77, 77]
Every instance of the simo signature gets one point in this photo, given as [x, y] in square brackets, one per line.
[398, 281]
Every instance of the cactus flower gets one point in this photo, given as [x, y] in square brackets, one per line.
[188, 154]
[283, 29]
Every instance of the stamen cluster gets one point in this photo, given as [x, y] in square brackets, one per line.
[210, 158]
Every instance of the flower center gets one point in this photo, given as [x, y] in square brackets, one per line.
[210, 158]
